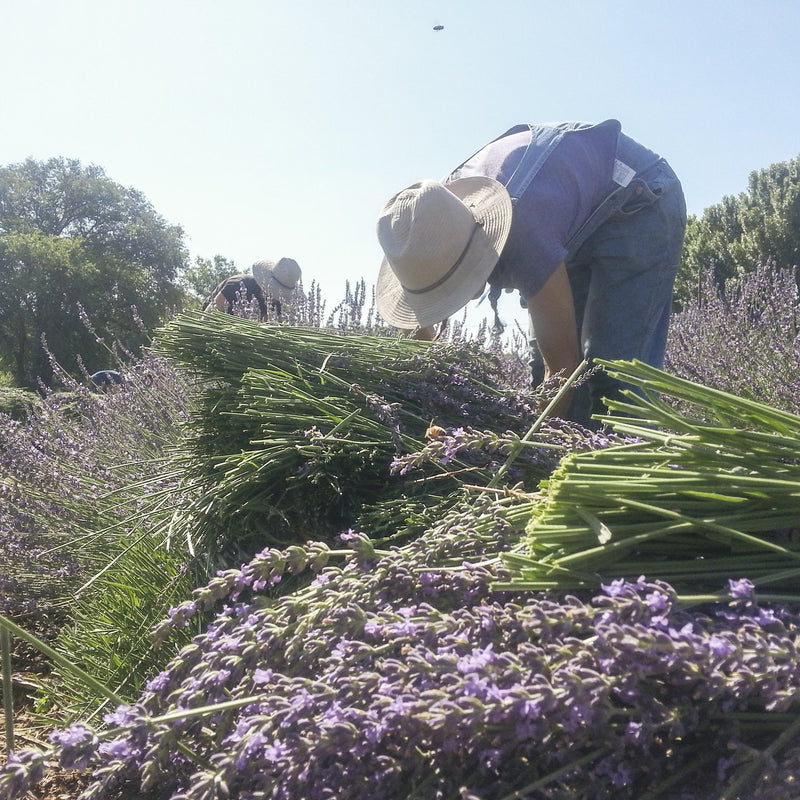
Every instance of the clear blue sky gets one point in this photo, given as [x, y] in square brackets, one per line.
[280, 127]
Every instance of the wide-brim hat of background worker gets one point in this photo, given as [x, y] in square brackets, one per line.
[441, 243]
[278, 278]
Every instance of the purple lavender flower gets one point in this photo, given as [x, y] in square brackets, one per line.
[657, 601]
[117, 749]
[362, 684]
[720, 646]
[741, 338]
[261, 676]
[477, 660]
[23, 770]
[77, 746]
[741, 589]
[615, 588]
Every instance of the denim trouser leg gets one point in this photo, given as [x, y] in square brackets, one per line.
[622, 279]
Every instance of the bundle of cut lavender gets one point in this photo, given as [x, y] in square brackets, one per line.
[696, 501]
[297, 429]
[395, 675]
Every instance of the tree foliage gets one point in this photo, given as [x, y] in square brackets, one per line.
[200, 279]
[79, 251]
[743, 231]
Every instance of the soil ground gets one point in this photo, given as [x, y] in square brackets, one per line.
[30, 732]
[58, 784]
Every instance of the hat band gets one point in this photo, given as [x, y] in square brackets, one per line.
[449, 273]
[281, 283]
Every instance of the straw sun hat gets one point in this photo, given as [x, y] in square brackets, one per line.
[278, 279]
[441, 242]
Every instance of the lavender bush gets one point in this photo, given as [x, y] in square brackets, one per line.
[743, 339]
[73, 568]
[18, 404]
[80, 463]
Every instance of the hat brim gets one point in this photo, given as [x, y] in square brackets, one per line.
[491, 206]
[276, 289]
[262, 272]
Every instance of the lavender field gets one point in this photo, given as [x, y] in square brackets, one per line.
[314, 561]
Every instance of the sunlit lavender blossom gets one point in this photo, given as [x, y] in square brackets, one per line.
[741, 589]
[360, 686]
[741, 339]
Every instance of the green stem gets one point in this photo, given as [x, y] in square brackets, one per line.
[747, 772]
[516, 447]
[520, 794]
[707, 524]
[8, 699]
[7, 625]
[680, 775]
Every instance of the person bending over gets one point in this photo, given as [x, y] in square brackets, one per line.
[584, 222]
[270, 286]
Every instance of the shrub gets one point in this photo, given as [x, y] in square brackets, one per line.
[17, 403]
[742, 339]
[71, 474]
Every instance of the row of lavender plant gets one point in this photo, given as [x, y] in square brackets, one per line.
[79, 464]
[743, 338]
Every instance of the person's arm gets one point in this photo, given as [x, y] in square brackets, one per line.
[221, 302]
[552, 312]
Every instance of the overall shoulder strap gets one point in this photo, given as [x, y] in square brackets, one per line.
[544, 139]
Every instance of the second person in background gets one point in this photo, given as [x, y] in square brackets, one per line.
[270, 285]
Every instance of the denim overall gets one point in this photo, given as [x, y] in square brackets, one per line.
[621, 262]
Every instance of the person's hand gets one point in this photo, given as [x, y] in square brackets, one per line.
[427, 334]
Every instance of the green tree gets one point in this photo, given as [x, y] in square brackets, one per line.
[770, 215]
[201, 278]
[79, 251]
[743, 231]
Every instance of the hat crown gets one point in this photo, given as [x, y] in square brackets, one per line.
[282, 276]
[287, 272]
[424, 230]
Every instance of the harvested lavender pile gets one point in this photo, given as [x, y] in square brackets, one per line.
[423, 666]
[297, 430]
[404, 674]
[296, 434]
[693, 498]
